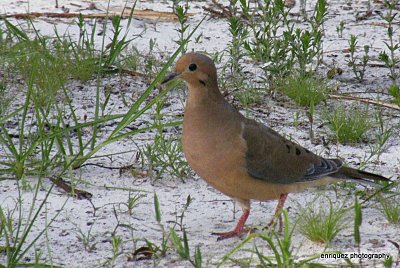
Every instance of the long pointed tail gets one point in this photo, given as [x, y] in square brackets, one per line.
[359, 176]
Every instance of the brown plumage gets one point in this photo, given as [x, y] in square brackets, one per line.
[240, 157]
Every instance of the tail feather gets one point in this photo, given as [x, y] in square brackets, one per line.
[359, 176]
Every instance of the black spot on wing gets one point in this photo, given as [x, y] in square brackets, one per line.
[298, 152]
[202, 82]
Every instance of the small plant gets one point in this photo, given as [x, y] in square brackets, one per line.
[281, 246]
[357, 222]
[339, 29]
[304, 90]
[151, 62]
[169, 240]
[391, 206]
[382, 135]
[394, 91]
[321, 224]
[248, 95]
[348, 124]
[358, 65]
[235, 50]
[116, 242]
[391, 61]
[268, 45]
[16, 235]
[132, 202]
[181, 246]
[279, 44]
[87, 238]
[181, 13]
[165, 153]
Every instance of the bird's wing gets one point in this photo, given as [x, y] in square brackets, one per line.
[273, 158]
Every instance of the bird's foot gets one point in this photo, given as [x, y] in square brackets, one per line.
[239, 229]
[237, 232]
[272, 223]
[278, 214]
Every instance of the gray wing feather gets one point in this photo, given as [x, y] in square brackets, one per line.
[272, 158]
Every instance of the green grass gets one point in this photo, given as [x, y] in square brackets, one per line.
[281, 245]
[321, 223]
[46, 67]
[348, 124]
[390, 207]
[41, 141]
[45, 135]
[15, 227]
[277, 41]
[305, 90]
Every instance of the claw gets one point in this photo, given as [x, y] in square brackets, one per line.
[239, 229]
[278, 213]
[233, 233]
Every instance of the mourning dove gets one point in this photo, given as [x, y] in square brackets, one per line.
[240, 157]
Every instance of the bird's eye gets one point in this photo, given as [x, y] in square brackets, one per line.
[192, 67]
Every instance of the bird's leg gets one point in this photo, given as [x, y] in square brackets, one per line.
[278, 212]
[239, 229]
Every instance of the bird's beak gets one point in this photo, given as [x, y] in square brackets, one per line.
[170, 77]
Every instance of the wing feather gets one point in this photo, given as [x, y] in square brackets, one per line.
[273, 158]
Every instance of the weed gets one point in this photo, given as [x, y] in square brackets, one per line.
[390, 60]
[87, 238]
[45, 74]
[394, 91]
[181, 244]
[321, 224]
[304, 90]
[164, 154]
[151, 61]
[281, 247]
[348, 124]
[248, 95]
[339, 29]
[235, 49]
[132, 202]
[358, 65]
[198, 263]
[181, 12]
[268, 45]
[279, 45]
[391, 206]
[357, 222]
[16, 234]
[116, 242]
[382, 135]
[236, 79]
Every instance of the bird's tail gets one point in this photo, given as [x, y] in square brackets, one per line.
[360, 176]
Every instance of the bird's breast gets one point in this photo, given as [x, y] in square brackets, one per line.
[212, 147]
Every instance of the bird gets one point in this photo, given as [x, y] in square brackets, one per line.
[240, 157]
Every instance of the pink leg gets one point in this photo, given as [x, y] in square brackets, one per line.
[239, 229]
[278, 211]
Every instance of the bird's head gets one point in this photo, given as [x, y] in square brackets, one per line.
[196, 69]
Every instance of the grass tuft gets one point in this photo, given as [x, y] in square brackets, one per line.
[349, 125]
[391, 206]
[305, 90]
[320, 223]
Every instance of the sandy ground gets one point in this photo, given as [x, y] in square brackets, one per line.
[209, 211]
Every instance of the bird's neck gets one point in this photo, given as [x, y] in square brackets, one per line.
[201, 95]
